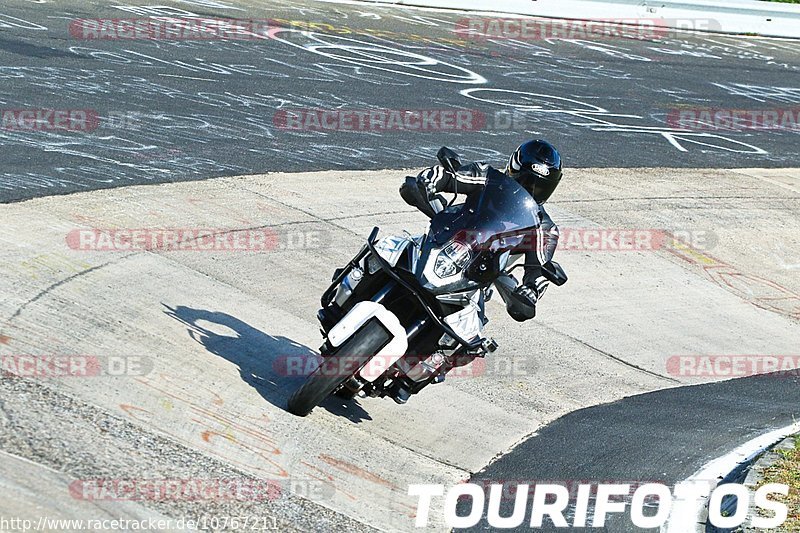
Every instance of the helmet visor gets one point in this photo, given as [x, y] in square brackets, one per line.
[543, 189]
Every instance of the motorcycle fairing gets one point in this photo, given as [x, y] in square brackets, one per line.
[359, 315]
[391, 248]
[468, 322]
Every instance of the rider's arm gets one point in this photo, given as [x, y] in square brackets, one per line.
[469, 179]
[543, 250]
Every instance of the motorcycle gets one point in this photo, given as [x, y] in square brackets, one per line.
[408, 309]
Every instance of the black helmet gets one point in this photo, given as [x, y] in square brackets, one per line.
[536, 165]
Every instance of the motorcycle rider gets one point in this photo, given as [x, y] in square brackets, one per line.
[536, 165]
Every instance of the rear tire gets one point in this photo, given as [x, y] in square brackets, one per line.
[351, 355]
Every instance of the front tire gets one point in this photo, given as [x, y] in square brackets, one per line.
[352, 355]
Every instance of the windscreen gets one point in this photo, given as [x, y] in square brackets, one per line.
[497, 218]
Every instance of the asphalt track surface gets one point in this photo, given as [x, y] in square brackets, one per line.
[659, 437]
[172, 110]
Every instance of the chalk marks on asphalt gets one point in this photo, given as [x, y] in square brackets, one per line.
[9, 22]
[616, 52]
[202, 109]
[544, 103]
[784, 95]
[380, 57]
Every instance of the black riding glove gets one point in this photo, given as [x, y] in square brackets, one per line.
[528, 293]
[523, 306]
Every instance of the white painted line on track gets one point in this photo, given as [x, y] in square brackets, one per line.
[686, 514]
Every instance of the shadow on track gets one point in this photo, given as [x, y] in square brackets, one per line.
[273, 365]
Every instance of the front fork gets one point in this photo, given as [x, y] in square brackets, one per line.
[415, 371]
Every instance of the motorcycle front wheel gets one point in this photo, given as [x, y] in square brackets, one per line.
[337, 368]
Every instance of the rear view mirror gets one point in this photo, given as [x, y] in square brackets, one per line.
[553, 272]
[449, 159]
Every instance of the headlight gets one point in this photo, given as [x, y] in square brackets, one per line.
[452, 259]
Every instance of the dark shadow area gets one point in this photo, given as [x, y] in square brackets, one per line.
[34, 50]
[273, 365]
[657, 437]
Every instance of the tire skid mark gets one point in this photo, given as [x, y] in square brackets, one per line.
[356, 471]
[760, 292]
[327, 479]
[232, 428]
